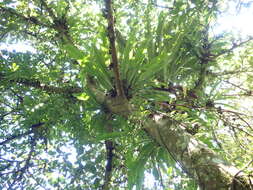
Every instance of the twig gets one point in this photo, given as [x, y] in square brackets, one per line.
[16, 137]
[161, 177]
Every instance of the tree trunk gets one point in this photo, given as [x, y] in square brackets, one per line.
[201, 163]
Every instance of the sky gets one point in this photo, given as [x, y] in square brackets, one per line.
[237, 20]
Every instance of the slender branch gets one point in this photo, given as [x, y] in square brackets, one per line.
[234, 46]
[3, 34]
[238, 86]
[207, 56]
[22, 134]
[246, 70]
[112, 51]
[16, 137]
[246, 94]
[245, 167]
[31, 19]
[226, 120]
[60, 25]
[237, 180]
[47, 88]
[5, 114]
[22, 171]
[244, 121]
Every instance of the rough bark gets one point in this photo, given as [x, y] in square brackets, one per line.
[109, 145]
[196, 159]
[112, 47]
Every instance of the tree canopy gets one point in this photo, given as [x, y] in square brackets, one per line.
[124, 94]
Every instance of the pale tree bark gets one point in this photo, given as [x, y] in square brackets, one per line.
[196, 159]
[201, 163]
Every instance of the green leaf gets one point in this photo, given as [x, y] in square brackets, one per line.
[82, 97]
[136, 167]
[73, 51]
[112, 135]
[90, 167]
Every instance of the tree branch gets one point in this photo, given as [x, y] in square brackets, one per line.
[203, 164]
[116, 105]
[60, 25]
[22, 134]
[22, 171]
[109, 165]
[232, 72]
[32, 19]
[16, 137]
[109, 154]
[112, 51]
[47, 88]
[234, 46]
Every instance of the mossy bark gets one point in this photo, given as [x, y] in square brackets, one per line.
[201, 163]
